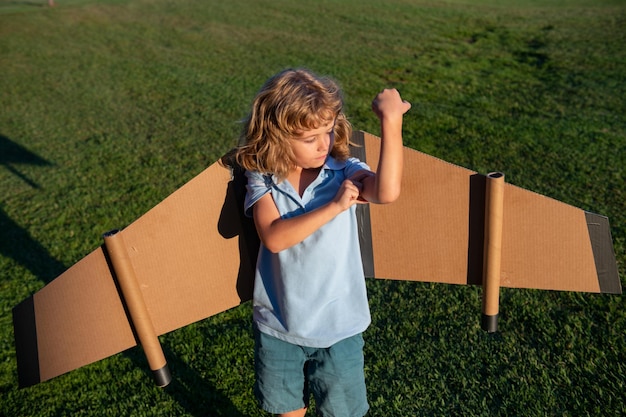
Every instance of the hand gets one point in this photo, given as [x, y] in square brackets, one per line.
[389, 104]
[348, 195]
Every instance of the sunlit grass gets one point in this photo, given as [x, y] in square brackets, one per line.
[108, 107]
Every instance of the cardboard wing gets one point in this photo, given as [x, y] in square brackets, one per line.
[193, 256]
[453, 225]
[180, 262]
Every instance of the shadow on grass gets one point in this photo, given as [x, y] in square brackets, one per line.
[188, 388]
[12, 153]
[15, 242]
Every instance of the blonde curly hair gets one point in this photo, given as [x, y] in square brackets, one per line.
[290, 102]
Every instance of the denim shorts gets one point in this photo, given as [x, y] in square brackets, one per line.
[287, 374]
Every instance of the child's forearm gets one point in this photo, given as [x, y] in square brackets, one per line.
[388, 179]
[281, 233]
[278, 234]
[385, 185]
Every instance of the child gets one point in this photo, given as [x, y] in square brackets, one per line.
[310, 303]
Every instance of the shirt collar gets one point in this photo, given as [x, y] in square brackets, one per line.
[332, 163]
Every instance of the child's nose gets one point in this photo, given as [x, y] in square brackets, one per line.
[324, 142]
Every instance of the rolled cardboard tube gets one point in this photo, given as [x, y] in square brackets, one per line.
[494, 208]
[136, 305]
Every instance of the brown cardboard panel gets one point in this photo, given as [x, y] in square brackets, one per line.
[186, 269]
[80, 318]
[545, 244]
[424, 235]
[432, 232]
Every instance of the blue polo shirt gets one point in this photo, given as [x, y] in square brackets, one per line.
[313, 293]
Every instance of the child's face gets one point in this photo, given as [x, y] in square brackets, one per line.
[311, 147]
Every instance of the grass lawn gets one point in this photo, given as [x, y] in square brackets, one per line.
[107, 107]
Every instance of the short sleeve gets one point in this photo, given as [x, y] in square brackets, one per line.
[354, 165]
[258, 185]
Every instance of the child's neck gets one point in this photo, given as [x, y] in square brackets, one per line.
[300, 178]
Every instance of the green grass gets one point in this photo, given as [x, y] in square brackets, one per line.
[107, 107]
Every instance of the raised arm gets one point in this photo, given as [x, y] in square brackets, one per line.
[384, 187]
